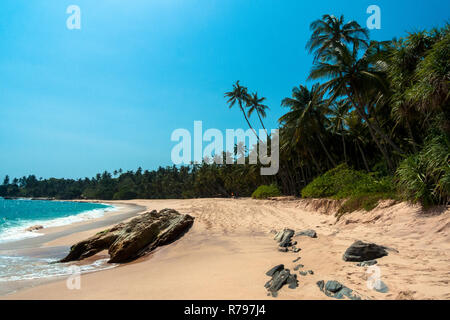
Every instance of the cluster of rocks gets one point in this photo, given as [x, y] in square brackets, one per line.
[284, 238]
[363, 253]
[280, 277]
[335, 289]
[128, 241]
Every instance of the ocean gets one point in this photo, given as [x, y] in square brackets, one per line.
[19, 214]
[30, 264]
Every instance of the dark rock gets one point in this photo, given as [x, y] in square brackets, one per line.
[283, 249]
[303, 273]
[320, 284]
[292, 281]
[280, 277]
[334, 289]
[308, 233]
[296, 259]
[128, 241]
[284, 237]
[275, 269]
[310, 272]
[34, 228]
[361, 251]
[298, 267]
[295, 249]
[278, 280]
[333, 286]
[367, 263]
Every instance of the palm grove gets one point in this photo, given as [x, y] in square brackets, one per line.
[375, 125]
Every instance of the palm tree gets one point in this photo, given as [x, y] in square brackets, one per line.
[361, 80]
[330, 32]
[307, 116]
[240, 95]
[338, 112]
[254, 103]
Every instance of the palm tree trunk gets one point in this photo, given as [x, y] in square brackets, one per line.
[326, 151]
[314, 161]
[363, 115]
[260, 120]
[343, 144]
[363, 156]
[248, 122]
[378, 129]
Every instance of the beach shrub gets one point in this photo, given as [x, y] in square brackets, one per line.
[343, 182]
[264, 192]
[425, 177]
[361, 190]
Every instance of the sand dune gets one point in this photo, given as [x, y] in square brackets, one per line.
[230, 247]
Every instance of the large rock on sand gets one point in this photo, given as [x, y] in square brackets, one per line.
[128, 241]
[362, 251]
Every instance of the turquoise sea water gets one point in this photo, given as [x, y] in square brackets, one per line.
[17, 215]
[18, 267]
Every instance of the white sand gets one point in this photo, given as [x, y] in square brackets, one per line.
[230, 247]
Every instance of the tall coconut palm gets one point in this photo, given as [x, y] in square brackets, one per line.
[307, 116]
[331, 31]
[240, 95]
[359, 79]
[338, 112]
[255, 103]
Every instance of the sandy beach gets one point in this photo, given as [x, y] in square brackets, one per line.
[230, 247]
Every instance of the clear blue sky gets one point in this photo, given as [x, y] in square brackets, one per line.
[108, 96]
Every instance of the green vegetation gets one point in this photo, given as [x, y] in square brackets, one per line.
[379, 108]
[359, 189]
[425, 177]
[342, 182]
[264, 192]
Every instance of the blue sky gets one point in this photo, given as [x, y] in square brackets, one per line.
[108, 96]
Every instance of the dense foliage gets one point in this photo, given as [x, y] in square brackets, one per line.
[264, 192]
[380, 108]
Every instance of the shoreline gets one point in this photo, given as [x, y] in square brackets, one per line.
[124, 211]
[230, 247]
[54, 243]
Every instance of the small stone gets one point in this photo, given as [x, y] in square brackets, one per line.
[320, 284]
[303, 273]
[296, 259]
[297, 267]
[292, 281]
[310, 272]
[283, 249]
[308, 233]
